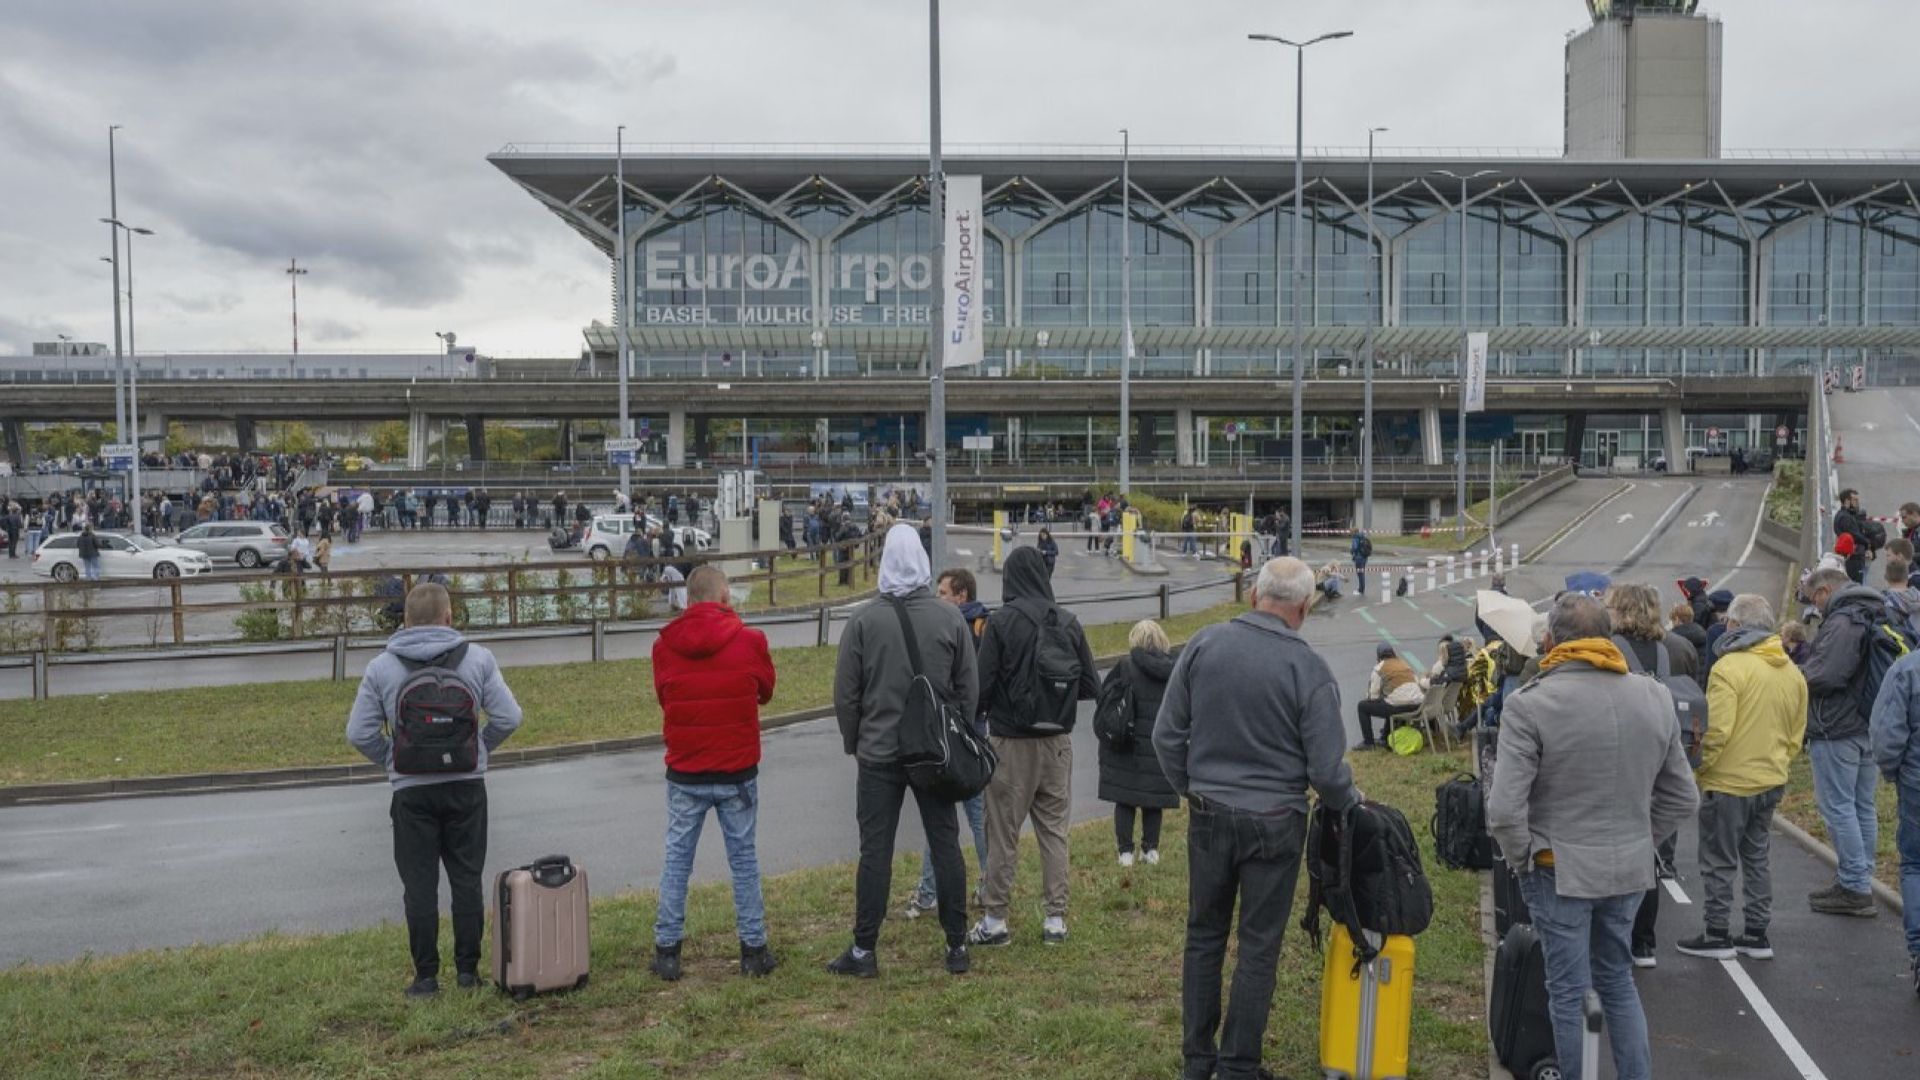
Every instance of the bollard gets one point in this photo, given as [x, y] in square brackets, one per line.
[599, 640]
[1430, 575]
[40, 688]
[1450, 570]
[339, 657]
[1166, 602]
[1473, 566]
[1514, 560]
[826, 625]
[1384, 585]
[1498, 559]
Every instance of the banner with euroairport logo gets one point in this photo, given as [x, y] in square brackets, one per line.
[961, 317]
[1476, 388]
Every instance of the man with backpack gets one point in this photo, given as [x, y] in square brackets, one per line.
[957, 587]
[1035, 669]
[1250, 720]
[1361, 549]
[1848, 521]
[1846, 660]
[872, 681]
[418, 714]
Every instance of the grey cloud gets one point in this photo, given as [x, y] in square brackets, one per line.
[211, 304]
[334, 330]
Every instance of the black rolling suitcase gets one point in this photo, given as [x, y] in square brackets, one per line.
[1517, 1016]
[1509, 906]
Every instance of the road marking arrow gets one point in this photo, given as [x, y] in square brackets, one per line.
[1869, 425]
[1623, 519]
[1726, 485]
[1713, 516]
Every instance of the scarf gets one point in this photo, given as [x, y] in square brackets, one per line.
[1599, 652]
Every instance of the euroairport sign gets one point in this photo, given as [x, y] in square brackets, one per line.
[623, 451]
[119, 456]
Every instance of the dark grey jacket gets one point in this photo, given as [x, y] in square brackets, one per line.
[1833, 663]
[1252, 719]
[871, 678]
[1133, 776]
[1012, 635]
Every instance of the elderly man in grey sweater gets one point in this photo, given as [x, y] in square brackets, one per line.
[1589, 777]
[439, 811]
[1250, 721]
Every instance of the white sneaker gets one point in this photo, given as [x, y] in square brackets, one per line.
[1126, 859]
[915, 909]
[1152, 856]
[1053, 931]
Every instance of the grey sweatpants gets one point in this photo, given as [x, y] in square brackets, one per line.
[1736, 828]
[1034, 779]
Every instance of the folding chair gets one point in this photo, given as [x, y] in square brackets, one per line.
[1438, 713]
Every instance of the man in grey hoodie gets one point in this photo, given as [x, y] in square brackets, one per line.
[1844, 774]
[437, 816]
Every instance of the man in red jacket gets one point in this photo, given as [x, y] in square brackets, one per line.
[711, 674]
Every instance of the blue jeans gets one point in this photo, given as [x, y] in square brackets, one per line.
[1907, 841]
[90, 569]
[976, 808]
[1586, 946]
[1844, 779]
[737, 806]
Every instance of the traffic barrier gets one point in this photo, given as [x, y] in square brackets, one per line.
[1430, 568]
[1450, 570]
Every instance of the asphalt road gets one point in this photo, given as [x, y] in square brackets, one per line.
[1879, 433]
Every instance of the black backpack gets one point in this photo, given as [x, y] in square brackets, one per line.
[1363, 868]
[1886, 641]
[1113, 712]
[1044, 695]
[1689, 701]
[942, 754]
[1365, 547]
[1876, 535]
[1459, 826]
[436, 724]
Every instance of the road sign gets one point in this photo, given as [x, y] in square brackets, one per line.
[1780, 434]
[622, 451]
[119, 455]
[1713, 433]
[1232, 429]
[976, 442]
[645, 425]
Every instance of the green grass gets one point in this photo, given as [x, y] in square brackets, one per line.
[1797, 806]
[282, 725]
[1105, 1005]
[1784, 502]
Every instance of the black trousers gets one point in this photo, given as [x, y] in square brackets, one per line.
[1255, 859]
[1149, 826]
[1371, 708]
[877, 799]
[1648, 917]
[439, 824]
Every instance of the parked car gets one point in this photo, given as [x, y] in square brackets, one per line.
[248, 543]
[607, 537]
[121, 556]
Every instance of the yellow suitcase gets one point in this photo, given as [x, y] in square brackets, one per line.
[1366, 1010]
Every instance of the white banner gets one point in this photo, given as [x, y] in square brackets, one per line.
[965, 251]
[1476, 385]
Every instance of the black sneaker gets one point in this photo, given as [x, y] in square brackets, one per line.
[1827, 893]
[980, 935]
[1643, 956]
[666, 962]
[859, 967]
[1712, 945]
[1846, 902]
[424, 988]
[469, 980]
[757, 960]
[1753, 946]
[959, 960]
[1916, 974]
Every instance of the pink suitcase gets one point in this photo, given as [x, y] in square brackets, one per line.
[540, 940]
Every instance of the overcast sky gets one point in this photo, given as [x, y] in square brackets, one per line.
[352, 134]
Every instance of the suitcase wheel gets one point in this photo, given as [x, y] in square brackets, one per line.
[582, 981]
[522, 993]
[1544, 1069]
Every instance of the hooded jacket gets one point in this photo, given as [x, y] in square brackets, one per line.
[1833, 662]
[711, 673]
[379, 699]
[1756, 715]
[1008, 646]
[873, 673]
[1895, 724]
[1133, 777]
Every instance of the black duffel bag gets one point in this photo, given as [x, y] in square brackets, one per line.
[1459, 826]
[941, 752]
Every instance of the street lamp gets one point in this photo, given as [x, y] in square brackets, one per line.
[620, 305]
[936, 439]
[112, 218]
[294, 271]
[133, 375]
[1299, 267]
[1460, 437]
[1126, 310]
[1366, 418]
[447, 338]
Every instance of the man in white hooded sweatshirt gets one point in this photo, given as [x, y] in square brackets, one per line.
[874, 673]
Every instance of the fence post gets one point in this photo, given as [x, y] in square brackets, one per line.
[40, 688]
[772, 561]
[299, 593]
[826, 624]
[599, 639]
[823, 574]
[1239, 586]
[179, 616]
[339, 657]
[47, 633]
[513, 598]
[1166, 601]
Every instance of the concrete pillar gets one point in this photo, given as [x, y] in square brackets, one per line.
[476, 437]
[676, 438]
[1145, 449]
[701, 430]
[1673, 428]
[1433, 509]
[1183, 437]
[417, 429]
[153, 432]
[1430, 436]
[244, 436]
[13, 434]
[1577, 437]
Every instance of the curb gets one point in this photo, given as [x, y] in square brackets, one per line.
[1885, 893]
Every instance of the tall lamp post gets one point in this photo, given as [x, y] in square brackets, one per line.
[294, 271]
[1460, 437]
[112, 219]
[620, 304]
[1366, 418]
[132, 419]
[1126, 311]
[1299, 266]
[936, 439]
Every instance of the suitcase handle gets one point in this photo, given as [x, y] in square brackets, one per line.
[552, 871]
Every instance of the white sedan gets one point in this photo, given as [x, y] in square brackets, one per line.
[607, 539]
[122, 555]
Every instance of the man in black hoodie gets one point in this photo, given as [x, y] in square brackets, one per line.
[1035, 666]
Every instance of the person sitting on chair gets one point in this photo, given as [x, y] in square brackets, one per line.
[1392, 689]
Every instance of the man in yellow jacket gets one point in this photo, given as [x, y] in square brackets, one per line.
[1756, 720]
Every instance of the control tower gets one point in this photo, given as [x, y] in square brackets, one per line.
[1644, 82]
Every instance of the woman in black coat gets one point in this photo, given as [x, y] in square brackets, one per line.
[1130, 775]
[1049, 549]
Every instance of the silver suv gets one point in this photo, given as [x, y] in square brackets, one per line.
[248, 543]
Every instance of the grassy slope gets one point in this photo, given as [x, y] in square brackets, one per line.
[1105, 1005]
[1798, 807]
[277, 725]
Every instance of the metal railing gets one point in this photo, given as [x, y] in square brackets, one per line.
[1112, 151]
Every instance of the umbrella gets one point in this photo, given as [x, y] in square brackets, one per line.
[1509, 617]
[1588, 582]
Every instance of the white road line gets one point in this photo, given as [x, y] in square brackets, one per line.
[1674, 890]
[1752, 538]
[1776, 1027]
